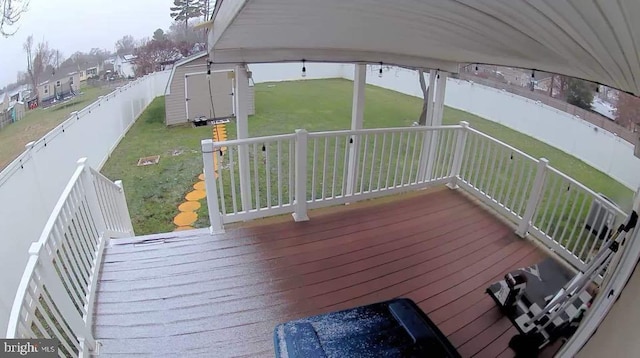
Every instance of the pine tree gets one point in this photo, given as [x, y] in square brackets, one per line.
[183, 10]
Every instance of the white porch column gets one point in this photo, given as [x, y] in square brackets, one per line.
[357, 118]
[242, 131]
[427, 155]
[438, 106]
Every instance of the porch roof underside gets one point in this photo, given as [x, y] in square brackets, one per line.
[595, 40]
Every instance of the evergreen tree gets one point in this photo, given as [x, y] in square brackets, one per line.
[183, 10]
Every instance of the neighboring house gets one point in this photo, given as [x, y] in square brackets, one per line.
[4, 102]
[63, 83]
[124, 66]
[191, 94]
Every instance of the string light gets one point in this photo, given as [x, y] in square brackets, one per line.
[380, 71]
[304, 69]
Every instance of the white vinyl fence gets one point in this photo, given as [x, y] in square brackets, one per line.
[31, 185]
[292, 173]
[595, 146]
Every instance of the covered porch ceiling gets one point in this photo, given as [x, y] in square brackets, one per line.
[595, 40]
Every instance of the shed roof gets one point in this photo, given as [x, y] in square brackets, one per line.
[595, 40]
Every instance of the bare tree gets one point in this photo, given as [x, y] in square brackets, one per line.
[125, 45]
[38, 58]
[151, 56]
[10, 13]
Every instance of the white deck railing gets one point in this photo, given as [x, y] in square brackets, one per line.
[266, 176]
[56, 295]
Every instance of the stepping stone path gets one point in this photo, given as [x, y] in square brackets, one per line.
[187, 215]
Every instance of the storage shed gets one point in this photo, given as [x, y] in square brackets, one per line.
[191, 94]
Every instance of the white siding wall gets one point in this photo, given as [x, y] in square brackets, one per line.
[30, 185]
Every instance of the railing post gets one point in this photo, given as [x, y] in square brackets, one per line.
[458, 155]
[300, 199]
[215, 218]
[534, 197]
[352, 166]
[124, 209]
[92, 196]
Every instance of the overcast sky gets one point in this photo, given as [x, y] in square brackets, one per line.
[79, 25]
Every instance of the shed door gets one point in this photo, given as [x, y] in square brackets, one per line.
[200, 93]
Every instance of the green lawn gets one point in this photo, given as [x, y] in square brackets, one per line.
[153, 192]
[38, 122]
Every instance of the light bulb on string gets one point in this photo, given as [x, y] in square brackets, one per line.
[380, 71]
[304, 69]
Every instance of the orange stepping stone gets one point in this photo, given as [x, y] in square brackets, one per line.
[196, 195]
[182, 228]
[201, 176]
[189, 206]
[199, 186]
[185, 218]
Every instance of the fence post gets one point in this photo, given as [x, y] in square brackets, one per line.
[215, 218]
[92, 196]
[458, 155]
[534, 197]
[300, 199]
[123, 208]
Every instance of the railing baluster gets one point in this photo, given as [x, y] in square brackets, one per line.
[345, 165]
[478, 167]
[406, 156]
[279, 165]
[539, 221]
[569, 218]
[362, 171]
[232, 175]
[578, 225]
[324, 168]
[267, 172]
[256, 176]
[292, 157]
[508, 167]
[373, 160]
[496, 167]
[558, 219]
[468, 169]
[389, 162]
[383, 150]
[413, 164]
[395, 173]
[558, 195]
[313, 169]
[336, 146]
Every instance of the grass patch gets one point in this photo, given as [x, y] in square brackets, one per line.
[38, 122]
[154, 192]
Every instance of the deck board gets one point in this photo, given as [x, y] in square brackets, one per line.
[179, 292]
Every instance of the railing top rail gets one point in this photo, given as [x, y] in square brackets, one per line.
[382, 130]
[103, 178]
[503, 144]
[602, 200]
[252, 140]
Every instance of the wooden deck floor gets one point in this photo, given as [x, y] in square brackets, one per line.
[194, 294]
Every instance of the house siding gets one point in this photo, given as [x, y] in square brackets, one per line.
[175, 109]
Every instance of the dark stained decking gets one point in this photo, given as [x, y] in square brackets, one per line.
[193, 294]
